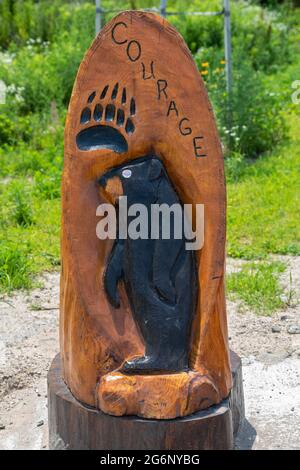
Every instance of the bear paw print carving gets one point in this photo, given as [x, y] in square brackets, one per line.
[105, 120]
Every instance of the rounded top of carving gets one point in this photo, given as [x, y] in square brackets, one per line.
[101, 137]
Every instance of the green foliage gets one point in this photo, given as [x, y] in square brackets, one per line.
[15, 268]
[258, 286]
[261, 44]
[263, 204]
[26, 72]
[43, 21]
[21, 210]
[274, 3]
[14, 128]
[41, 153]
[256, 114]
[264, 36]
[47, 185]
[43, 44]
[27, 248]
[251, 122]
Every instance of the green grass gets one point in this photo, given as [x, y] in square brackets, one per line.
[15, 269]
[27, 251]
[258, 286]
[29, 234]
[263, 205]
[263, 219]
[30, 174]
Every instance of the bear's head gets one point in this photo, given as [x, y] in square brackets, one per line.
[137, 179]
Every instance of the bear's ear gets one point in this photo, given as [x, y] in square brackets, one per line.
[155, 169]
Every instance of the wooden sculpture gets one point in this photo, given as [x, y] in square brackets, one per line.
[143, 322]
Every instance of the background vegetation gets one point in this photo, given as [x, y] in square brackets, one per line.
[41, 46]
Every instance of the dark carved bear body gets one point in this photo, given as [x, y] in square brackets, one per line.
[159, 274]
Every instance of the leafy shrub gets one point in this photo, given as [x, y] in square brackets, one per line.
[20, 198]
[264, 36]
[259, 42]
[43, 20]
[14, 128]
[274, 3]
[250, 122]
[200, 32]
[47, 185]
[44, 74]
[257, 118]
[262, 32]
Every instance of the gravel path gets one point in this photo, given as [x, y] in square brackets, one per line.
[270, 354]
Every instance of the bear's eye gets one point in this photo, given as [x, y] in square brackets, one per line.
[126, 173]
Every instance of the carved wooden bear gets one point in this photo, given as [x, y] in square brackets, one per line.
[131, 99]
[160, 275]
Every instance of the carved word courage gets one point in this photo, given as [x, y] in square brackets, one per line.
[134, 54]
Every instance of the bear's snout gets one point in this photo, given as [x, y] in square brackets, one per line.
[111, 189]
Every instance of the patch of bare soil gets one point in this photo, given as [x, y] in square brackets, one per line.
[270, 351]
[267, 338]
[28, 343]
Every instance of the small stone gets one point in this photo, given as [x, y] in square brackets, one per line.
[248, 360]
[276, 329]
[294, 330]
[293, 409]
[2, 426]
[40, 423]
[284, 317]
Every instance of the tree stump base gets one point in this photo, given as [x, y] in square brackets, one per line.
[72, 425]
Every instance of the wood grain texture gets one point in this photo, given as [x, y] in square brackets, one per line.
[75, 426]
[173, 120]
[158, 396]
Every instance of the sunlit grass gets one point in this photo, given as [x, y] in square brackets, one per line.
[258, 286]
[263, 206]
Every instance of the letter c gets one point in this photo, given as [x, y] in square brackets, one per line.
[113, 33]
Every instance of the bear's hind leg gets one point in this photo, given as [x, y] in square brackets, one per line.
[166, 351]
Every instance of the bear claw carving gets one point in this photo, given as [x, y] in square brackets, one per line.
[103, 133]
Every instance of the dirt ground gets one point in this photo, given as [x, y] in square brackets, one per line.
[270, 354]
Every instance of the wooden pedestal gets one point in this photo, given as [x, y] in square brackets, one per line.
[73, 425]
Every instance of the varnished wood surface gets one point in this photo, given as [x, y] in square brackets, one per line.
[75, 426]
[157, 396]
[143, 53]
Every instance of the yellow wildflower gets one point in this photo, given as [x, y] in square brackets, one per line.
[205, 64]
[204, 72]
[222, 62]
